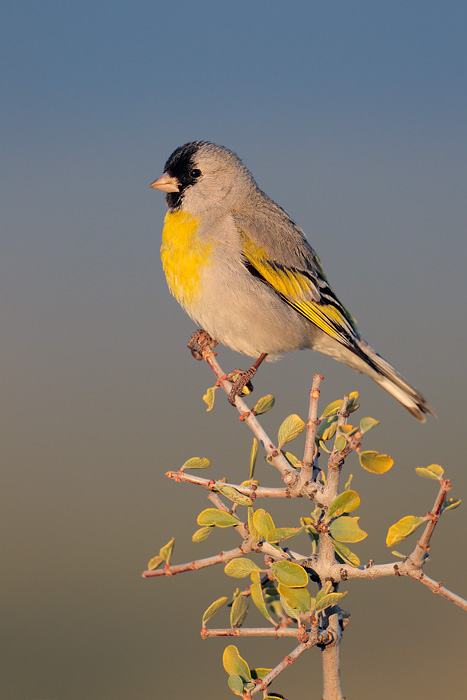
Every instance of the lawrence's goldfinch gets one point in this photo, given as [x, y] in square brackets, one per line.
[245, 272]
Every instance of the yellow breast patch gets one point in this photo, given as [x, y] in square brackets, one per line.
[184, 255]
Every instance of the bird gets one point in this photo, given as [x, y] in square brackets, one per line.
[245, 272]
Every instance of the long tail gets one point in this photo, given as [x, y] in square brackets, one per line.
[394, 383]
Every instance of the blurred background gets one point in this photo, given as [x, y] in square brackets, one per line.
[353, 117]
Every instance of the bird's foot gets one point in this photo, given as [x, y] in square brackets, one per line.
[241, 383]
[201, 341]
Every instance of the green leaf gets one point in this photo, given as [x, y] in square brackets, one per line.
[451, 504]
[282, 533]
[234, 664]
[323, 447]
[346, 502]
[209, 396]
[219, 518]
[213, 608]
[402, 529]
[238, 611]
[196, 463]
[375, 463]
[327, 600]
[236, 684]
[367, 424]
[345, 554]
[289, 574]
[240, 567]
[264, 404]
[251, 526]
[233, 495]
[346, 529]
[296, 598]
[326, 429]
[253, 456]
[290, 429]
[292, 460]
[202, 534]
[166, 551]
[257, 596]
[262, 522]
[434, 471]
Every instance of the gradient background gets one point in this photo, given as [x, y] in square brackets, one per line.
[353, 117]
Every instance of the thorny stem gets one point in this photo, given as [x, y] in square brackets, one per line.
[306, 471]
[223, 557]
[330, 657]
[286, 661]
[252, 491]
[420, 552]
[298, 483]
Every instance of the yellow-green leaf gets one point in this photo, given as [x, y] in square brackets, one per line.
[398, 554]
[290, 429]
[240, 567]
[262, 522]
[219, 518]
[282, 533]
[333, 408]
[327, 600]
[367, 424]
[451, 504]
[340, 443]
[238, 611]
[208, 398]
[264, 404]
[166, 551]
[346, 529]
[257, 596]
[233, 495]
[253, 456]
[327, 428]
[202, 534]
[196, 463]
[251, 526]
[434, 471]
[155, 563]
[375, 463]
[402, 529]
[236, 684]
[297, 598]
[346, 502]
[234, 664]
[289, 574]
[345, 554]
[292, 460]
[260, 672]
[353, 404]
[213, 608]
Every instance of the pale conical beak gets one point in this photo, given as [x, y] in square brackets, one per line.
[166, 183]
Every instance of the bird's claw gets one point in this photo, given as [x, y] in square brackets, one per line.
[201, 341]
[241, 383]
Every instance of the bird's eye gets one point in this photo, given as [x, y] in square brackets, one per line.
[195, 172]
